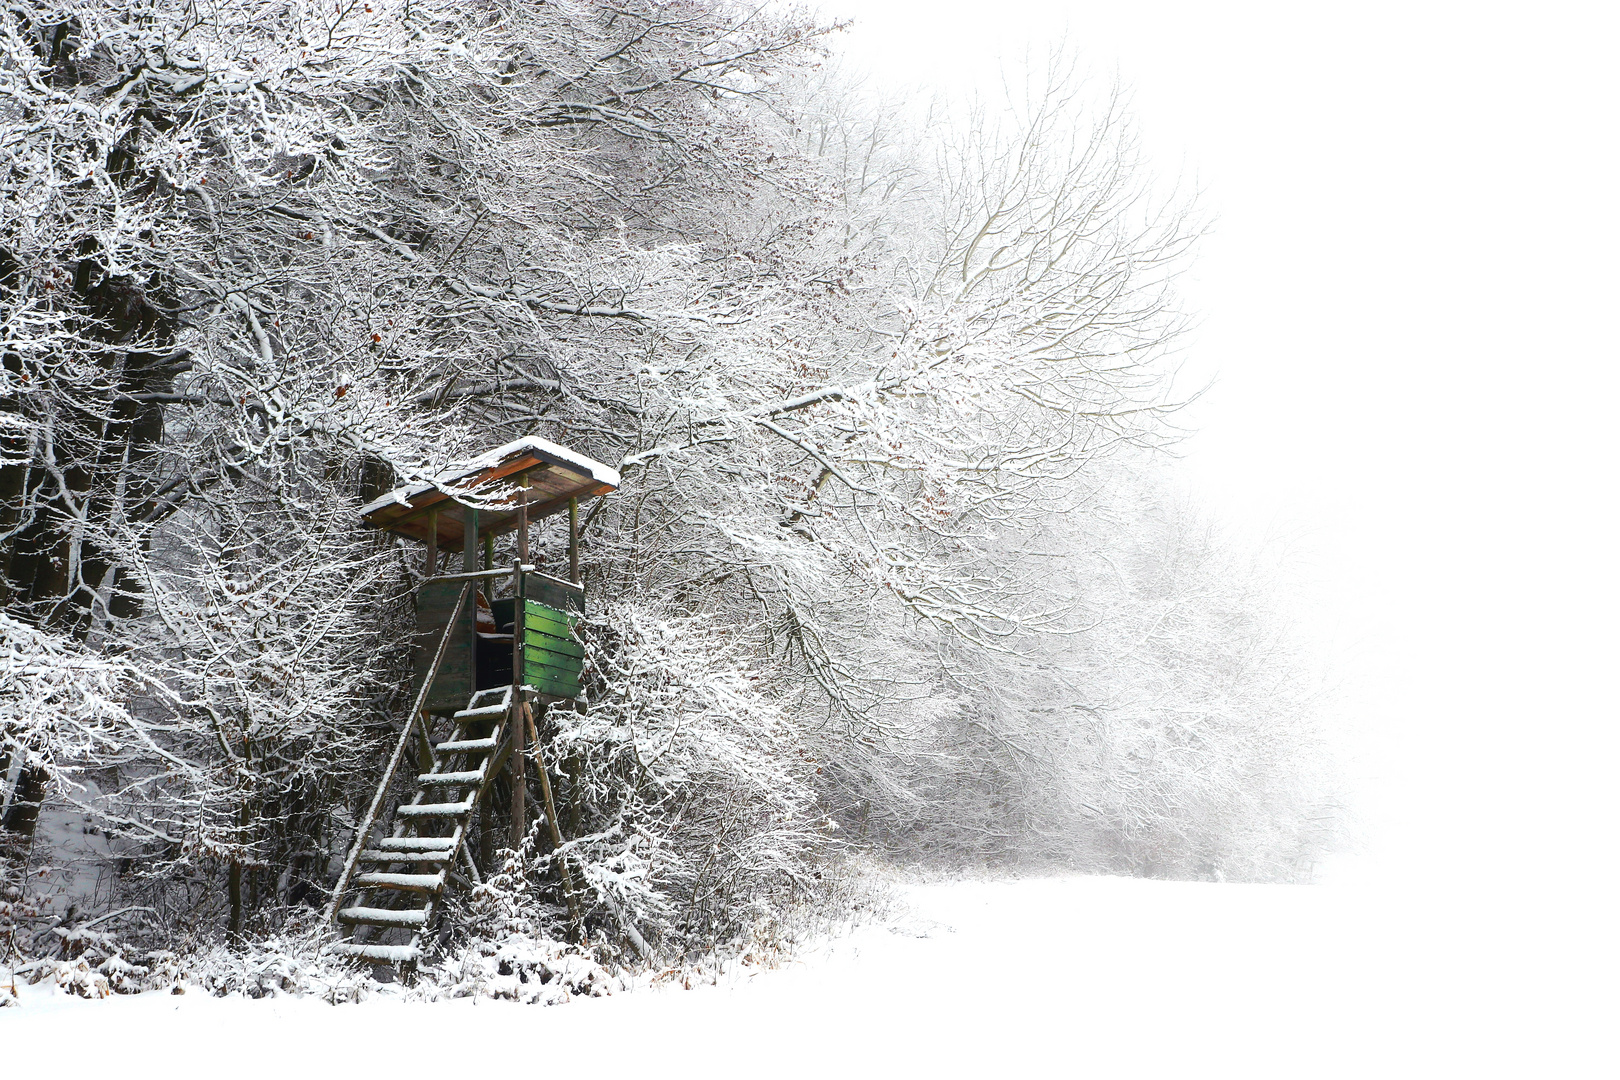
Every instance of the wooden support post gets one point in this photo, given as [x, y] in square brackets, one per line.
[469, 540]
[551, 819]
[424, 744]
[432, 544]
[469, 563]
[489, 552]
[515, 716]
[486, 835]
[519, 784]
[523, 520]
[573, 541]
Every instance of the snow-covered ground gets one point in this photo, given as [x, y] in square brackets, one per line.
[1072, 976]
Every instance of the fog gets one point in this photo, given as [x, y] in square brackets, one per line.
[1408, 386]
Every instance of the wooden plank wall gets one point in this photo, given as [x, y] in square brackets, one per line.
[553, 596]
[453, 687]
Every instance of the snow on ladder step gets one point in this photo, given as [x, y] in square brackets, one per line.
[438, 809]
[409, 882]
[458, 745]
[405, 856]
[381, 954]
[416, 843]
[483, 712]
[371, 916]
[475, 776]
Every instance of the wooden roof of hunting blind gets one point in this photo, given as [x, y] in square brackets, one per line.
[555, 474]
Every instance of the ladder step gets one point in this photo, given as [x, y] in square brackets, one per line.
[371, 916]
[440, 857]
[381, 954]
[407, 882]
[458, 745]
[438, 809]
[416, 843]
[476, 776]
[481, 713]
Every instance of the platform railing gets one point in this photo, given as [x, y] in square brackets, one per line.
[533, 571]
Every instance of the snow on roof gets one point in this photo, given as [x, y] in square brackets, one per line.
[531, 445]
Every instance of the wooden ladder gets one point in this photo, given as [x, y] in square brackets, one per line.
[406, 873]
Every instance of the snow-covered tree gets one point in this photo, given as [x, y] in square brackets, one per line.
[262, 261]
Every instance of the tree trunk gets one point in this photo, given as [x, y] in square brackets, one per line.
[23, 813]
[235, 888]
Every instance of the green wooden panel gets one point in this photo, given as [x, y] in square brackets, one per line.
[555, 689]
[553, 596]
[535, 607]
[551, 665]
[546, 624]
[553, 684]
[559, 664]
[534, 639]
[453, 686]
[559, 661]
[546, 683]
[552, 659]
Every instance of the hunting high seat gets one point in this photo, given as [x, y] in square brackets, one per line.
[482, 668]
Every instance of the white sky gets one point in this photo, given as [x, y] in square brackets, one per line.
[1405, 302]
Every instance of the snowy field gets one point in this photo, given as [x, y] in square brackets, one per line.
[1045, 977]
